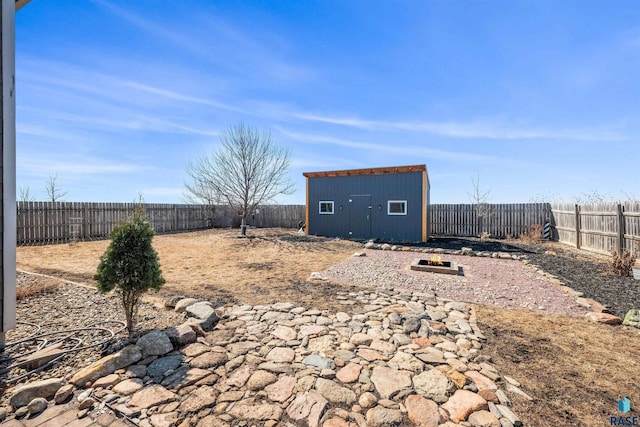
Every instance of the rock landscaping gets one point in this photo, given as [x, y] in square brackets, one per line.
[410, 359]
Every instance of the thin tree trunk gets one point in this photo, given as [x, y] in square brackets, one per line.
[243, 226]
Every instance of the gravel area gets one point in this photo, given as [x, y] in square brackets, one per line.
[491, 281]
[68, 307]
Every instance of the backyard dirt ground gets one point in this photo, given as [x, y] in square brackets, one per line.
[268, 266]
[575, 370]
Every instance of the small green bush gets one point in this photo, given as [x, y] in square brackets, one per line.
[130, 263]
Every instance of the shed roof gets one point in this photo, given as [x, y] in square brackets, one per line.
[367, 171]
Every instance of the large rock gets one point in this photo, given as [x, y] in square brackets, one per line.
[334, 393]
[181, 335]
[164, 364]
[606, 318]
[107, 365]
[319, 361]
[388, 382]
[128, 387]
[406, 362]
[281, 355]
[37, 405]
[349, 373]
[285, 333]
[632, 318]
[204, 313]
[184, 377]
[259, 412]
[382, 417]
[462, 404]
[422, 412]
[200, 398]
[260, 379]
[433, 384]
[182, 304]
[309, 405]
[153, 395]
[63, 393]
[481, 381]
[484, 419]
[155, 343]
[209, 360]
[281, 390]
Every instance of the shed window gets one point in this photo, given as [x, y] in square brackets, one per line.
[397, 207]
[326, 208]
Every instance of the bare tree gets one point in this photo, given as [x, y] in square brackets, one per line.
[248, 169]
[480, 198]
[54, 193]
[25, 194]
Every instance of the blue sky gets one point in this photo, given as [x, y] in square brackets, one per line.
[535, 97]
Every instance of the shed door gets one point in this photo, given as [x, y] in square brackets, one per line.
[360, 217]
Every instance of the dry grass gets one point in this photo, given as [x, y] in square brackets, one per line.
[576, 370]
[268, 266]
[30, 287]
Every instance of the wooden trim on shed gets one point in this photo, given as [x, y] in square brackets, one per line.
[306, 208]
[424, 206]
[367, 171]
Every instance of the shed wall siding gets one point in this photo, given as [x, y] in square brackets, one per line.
[380, 188]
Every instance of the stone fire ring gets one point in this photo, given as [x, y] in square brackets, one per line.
[447, 267]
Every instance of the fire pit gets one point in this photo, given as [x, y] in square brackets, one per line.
[434, 265]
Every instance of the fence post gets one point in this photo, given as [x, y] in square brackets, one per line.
[578, 226]
[175, 218]
[621, 229]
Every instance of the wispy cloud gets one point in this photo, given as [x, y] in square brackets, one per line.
[393, 150]
[218, 42]
[80, 166]
[474, 129]
[181, 97]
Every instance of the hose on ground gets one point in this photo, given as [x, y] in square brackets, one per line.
[70, 341]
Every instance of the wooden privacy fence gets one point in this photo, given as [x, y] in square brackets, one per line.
[499, 220]
[602, 227]
[47, 222]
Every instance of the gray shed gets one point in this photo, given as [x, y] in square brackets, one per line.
[389, 203]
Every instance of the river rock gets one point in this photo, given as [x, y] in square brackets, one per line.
[281, 390]
[381, 416]
[462, 404]
[107, 365]
[260, 379]
[24, 394]
[164, 364]
[155, 343]
[389, 382]
[37, 405]
[128, 387]
[259, 412]
[63, 393]
[181, 335]
[334, 393]
[483, 419]
[308, 405]
[606, 318]
[422, 412]
[432, 384]
[204, 313]
[182, 304]
[153, 395]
